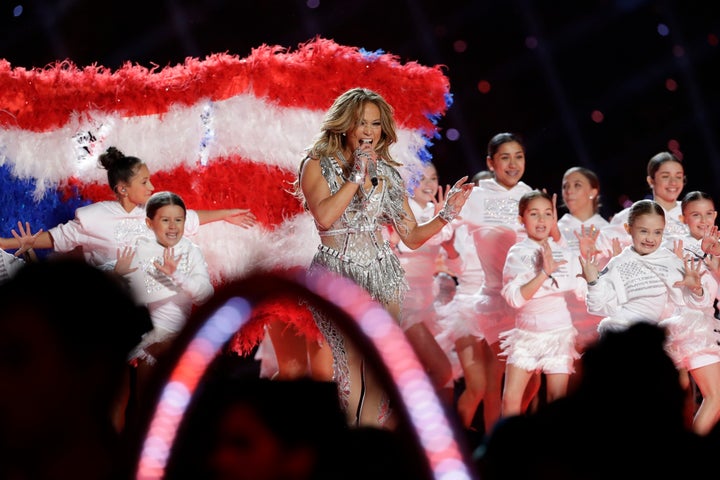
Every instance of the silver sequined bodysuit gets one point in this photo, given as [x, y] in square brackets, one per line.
[354, 248]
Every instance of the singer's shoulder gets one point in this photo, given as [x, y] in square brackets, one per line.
[389, 170]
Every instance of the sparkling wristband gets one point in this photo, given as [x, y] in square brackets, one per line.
[449, 212]
[447, 215]
[356, 177]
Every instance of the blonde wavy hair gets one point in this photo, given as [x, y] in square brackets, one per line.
[344, 115]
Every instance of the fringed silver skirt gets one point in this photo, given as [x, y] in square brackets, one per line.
[692, 339]
[551, 351]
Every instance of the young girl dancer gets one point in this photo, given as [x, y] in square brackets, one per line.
[647, 282]
[419, 318]
[537, 275]
[666, 178]
[692, 339]
[581, 196]
[459, 323]
[167, 274]
[491, 217]
[103, 227]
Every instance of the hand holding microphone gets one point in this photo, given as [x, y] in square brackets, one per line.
[372, 164]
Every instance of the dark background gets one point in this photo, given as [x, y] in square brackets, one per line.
[549, 65]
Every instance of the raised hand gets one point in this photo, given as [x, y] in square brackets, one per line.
[710, 243]
[170, 262]
[692, 276]
[26, 239]
[241, 217]
[125, 257]
[364, 161]
[587, 239]
[548, 264]
[590, 268]
[455, 199]
[439, 199]
[678, 248]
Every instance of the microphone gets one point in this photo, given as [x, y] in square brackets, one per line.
[372, 166]
[372, 171]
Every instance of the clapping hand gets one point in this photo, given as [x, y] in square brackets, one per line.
[548, 264]
[590, 269]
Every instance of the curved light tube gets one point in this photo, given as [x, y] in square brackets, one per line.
[424, 408]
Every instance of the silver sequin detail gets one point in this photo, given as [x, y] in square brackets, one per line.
[354, 248]
[501, 211]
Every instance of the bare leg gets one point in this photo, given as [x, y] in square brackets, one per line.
[690, 406]
[433, 358]
[516, 381]
[557, 385]
[470, 353]
[290, 350]
[707, 379]
[145, 369]
[494, 372]
[320, 359]
[367, 403]
[361, 394]
[530, 397]
[122, 401]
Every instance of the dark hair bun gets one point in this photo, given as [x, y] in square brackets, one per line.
[110, 157]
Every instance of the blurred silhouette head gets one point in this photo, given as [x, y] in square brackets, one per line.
[259, 429]
[66, 329]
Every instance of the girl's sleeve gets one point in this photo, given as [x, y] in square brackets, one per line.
[601, 298]
[516, 273]
[192, 223]
[707, 299]
[69, 235]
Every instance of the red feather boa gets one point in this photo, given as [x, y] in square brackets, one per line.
[43, 99]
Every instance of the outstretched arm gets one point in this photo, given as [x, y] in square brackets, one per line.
[241, 217]
[26, 240]
[414, 235]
